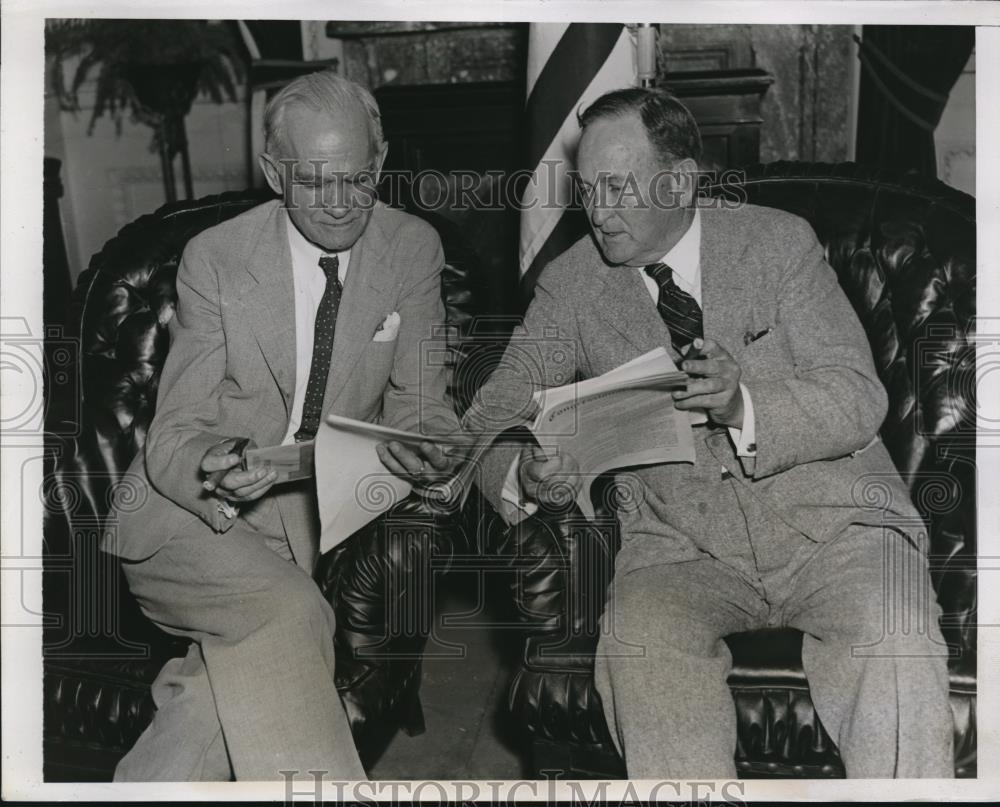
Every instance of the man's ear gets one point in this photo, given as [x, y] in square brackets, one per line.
[687, 170]
[380, 161]
[272, 173]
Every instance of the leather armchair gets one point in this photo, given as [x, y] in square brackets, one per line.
[904, 251]
[100, 652]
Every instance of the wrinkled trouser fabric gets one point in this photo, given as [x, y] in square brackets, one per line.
[872, 651]
[255, 694]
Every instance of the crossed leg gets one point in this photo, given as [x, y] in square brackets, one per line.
[262, 670]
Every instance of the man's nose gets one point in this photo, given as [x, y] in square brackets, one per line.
[338, 204]
[599, 215]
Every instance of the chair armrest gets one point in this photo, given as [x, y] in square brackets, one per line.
[563, 567]
[945, 495]
[381, 582]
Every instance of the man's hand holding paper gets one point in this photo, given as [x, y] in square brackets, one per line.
[551, 481]
[225, 476]
[364, 469]
[423, 464]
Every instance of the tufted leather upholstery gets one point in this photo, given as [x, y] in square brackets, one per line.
[101, 654]
[904, 251]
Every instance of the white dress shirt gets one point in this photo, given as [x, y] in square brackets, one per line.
[310, 284]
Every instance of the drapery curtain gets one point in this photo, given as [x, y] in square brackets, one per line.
[906, 75]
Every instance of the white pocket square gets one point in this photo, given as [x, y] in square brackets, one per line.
[389, 329]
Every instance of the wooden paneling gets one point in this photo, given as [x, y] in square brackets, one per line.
[445, 128]
[726, 104]
[450, 127]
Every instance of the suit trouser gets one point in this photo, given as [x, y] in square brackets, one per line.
[255, 694]
[872, 652]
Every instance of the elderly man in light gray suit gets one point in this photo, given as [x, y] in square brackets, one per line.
[300, 307]
[774, 523]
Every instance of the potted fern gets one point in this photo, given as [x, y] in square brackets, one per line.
[150, 69]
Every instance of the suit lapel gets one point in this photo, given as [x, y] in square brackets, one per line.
[623, 302]
[620, 298]
[724, 288]
[268, 297]
[369, 279]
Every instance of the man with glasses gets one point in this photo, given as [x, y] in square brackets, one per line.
[313, 304]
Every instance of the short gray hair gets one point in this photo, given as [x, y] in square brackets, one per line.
[323, 91]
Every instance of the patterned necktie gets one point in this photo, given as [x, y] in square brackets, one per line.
[326, 321]
[679, 310]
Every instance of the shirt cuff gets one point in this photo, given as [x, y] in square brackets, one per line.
[511, 492]
[745, 439]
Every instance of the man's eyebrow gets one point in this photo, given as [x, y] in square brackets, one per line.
[609, 176]
[360, 172]
[333, 176]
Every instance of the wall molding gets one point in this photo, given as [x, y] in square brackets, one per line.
[122, 179]
[675, 60]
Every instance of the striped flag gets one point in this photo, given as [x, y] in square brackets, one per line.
[569, 66]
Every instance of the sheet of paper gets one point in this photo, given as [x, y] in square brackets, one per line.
[622, 419]
[618, 430]
[652, 369]
[294, 461]
[383, 433]
[352, 485]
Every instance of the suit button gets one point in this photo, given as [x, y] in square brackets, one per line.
[702, 507]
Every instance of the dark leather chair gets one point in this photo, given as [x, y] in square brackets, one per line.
[904, 251]
[100, 652]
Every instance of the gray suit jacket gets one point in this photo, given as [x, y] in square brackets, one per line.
[818, 402]
[230, 371]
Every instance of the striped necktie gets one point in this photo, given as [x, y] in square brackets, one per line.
[319, 370]
[679, 310]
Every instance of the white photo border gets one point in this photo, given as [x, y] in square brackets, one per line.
[21, 144]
